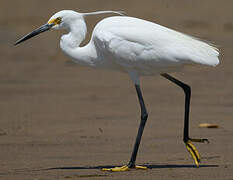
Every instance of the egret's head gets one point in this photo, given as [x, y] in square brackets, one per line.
[64, 20]
[60, 20]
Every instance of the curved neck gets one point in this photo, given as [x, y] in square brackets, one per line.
[70, 42]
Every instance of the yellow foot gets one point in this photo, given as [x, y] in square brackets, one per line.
[193, 150]
[123, 168]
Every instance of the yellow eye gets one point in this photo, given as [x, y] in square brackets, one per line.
[58, 20]
[55, 21]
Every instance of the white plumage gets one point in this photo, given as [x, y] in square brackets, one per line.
[132, 45]
[137, 47]
[149, 48]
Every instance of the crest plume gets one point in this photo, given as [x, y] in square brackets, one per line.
[121, 13]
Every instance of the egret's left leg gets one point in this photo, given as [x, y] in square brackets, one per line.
[144, 115]
[190, 147]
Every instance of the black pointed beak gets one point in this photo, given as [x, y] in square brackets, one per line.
[39, 30]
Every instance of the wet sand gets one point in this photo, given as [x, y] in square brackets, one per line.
[62, 121]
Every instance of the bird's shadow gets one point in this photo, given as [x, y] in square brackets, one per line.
[150, 166]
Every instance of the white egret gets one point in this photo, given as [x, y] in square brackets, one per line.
[137, 47]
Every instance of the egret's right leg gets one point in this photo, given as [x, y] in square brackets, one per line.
[187, 140]
[144, 115]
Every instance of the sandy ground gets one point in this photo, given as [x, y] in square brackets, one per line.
[62, 121]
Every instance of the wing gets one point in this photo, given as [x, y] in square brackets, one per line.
[134, 42]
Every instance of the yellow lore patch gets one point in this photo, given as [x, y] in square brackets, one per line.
[55, 21]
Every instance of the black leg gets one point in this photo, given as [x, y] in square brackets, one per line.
[187, 90]
[144, 116]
